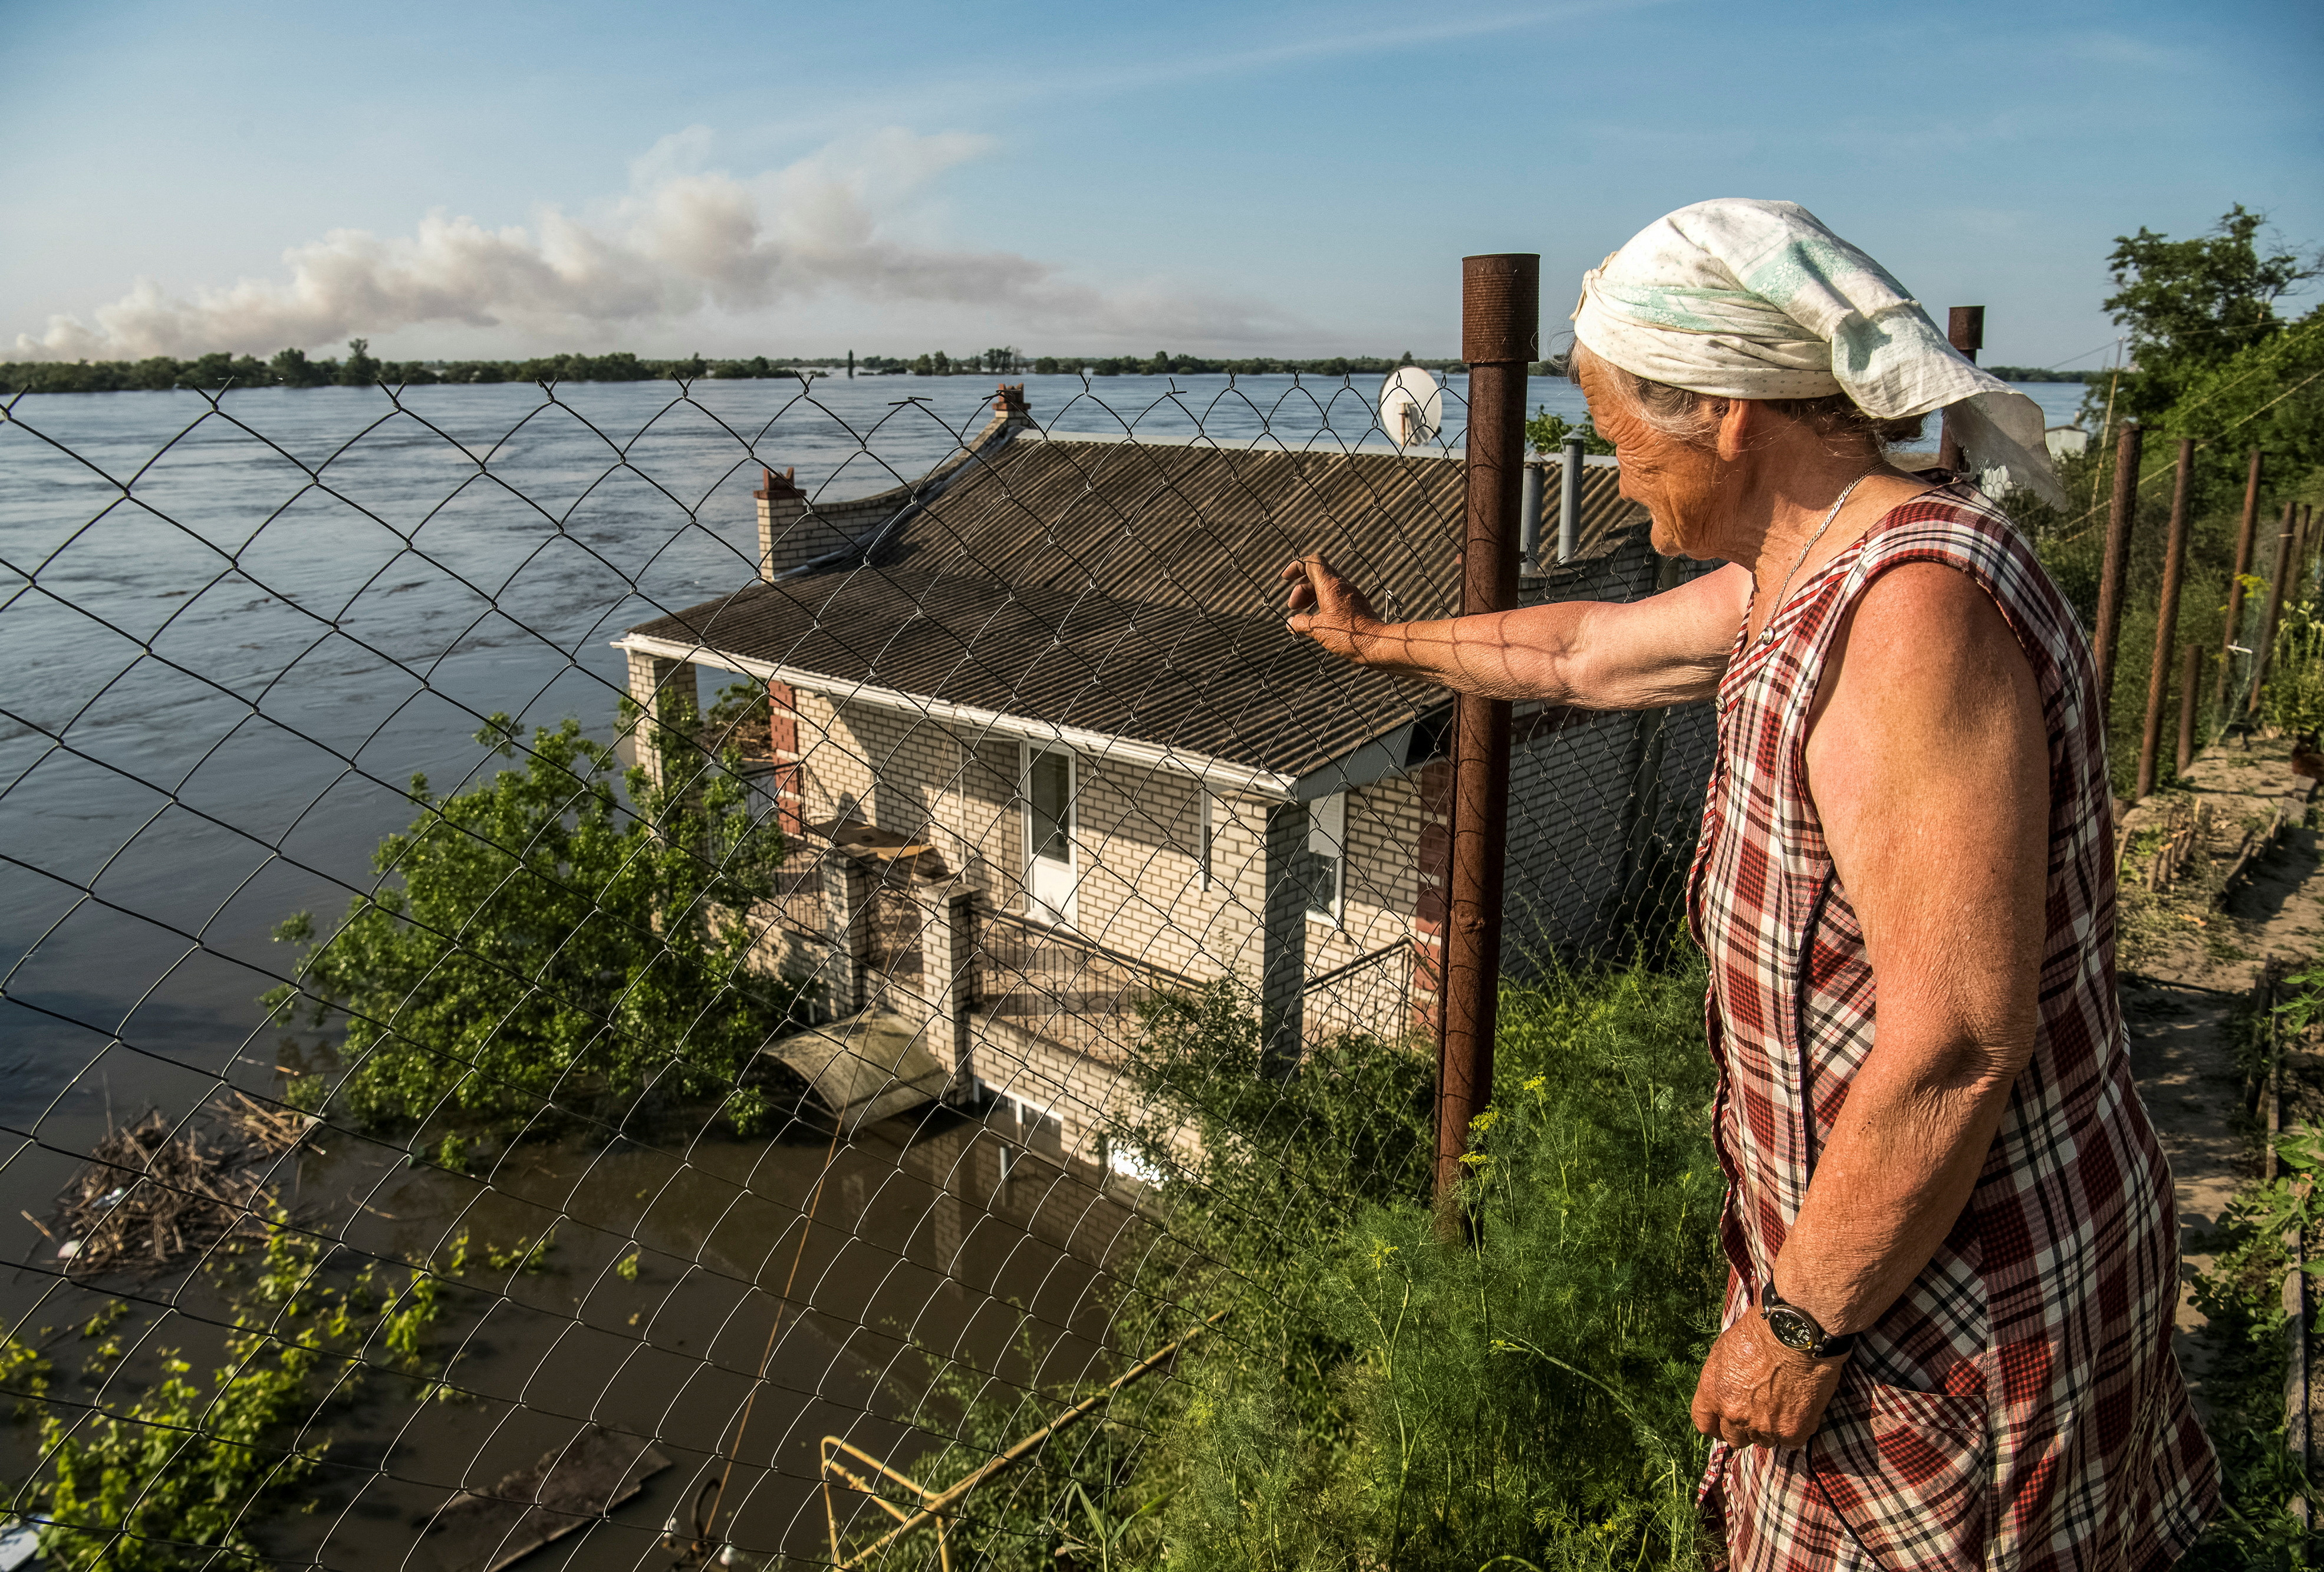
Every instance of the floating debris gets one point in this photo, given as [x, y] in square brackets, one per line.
[150, 1194]
[571, 1487]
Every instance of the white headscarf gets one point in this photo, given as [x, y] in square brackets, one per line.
[1739, 299]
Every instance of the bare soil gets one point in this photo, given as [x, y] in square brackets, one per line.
[2190, 957]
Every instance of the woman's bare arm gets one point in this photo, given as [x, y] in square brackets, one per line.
[1595, 654]
[1929, 766]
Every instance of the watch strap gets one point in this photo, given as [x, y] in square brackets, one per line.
[1826, 1345]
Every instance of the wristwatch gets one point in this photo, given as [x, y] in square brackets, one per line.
[1796, 1329]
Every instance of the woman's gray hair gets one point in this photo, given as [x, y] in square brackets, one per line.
[1693, 418]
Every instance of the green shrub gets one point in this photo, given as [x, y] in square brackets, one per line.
[173, 1473]
[533, 940]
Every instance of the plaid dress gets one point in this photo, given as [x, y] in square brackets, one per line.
[2019, 1406]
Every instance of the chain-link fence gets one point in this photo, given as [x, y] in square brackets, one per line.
[640, 973]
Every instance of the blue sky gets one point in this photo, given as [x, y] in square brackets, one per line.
[485, 179]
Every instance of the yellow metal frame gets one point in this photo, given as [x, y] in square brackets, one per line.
[936, 1505]
[832, 1447]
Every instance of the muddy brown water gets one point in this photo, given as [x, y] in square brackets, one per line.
[919, 1247]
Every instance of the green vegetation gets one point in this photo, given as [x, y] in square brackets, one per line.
[1374, 1397]
[2191, 306]
[151, 1475]
[1545, 432]
[2244, 1338]
[2217, 365]
[1162, 362]
[535, 941]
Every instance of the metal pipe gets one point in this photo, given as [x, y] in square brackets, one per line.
[2120, 514]
[2166, 620]
[2235, 584]
[941, 1503]
[2304, 551]
[1500, 333]
[1569, 500]
[2266, 646]
[1965, 327]
[1529, 563]
[2187, 681]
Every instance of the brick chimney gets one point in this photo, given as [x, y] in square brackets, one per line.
[782, 506]
[1009, 404]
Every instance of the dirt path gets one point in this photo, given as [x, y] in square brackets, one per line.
[2189, 966]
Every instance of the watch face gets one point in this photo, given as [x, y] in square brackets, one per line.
[1794, 1328]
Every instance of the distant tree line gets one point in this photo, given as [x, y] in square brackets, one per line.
[2035, 373]
[292, 368]
[1162, 362]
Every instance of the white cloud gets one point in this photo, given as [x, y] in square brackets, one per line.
[685, 239]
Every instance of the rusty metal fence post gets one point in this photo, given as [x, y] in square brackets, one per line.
[1965, 327]
[1500, 314]
[2166, 619]
[2286, 546]
[2120, 512]
[2243, 537]
[2187, 681]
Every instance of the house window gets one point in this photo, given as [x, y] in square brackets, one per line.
[1322, 866]
[1051, 870]
[1206, 831]
[1035, 1129]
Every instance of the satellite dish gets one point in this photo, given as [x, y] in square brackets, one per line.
[1411, 406]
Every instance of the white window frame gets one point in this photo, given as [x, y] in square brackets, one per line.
[1327, 836]
[1027, 752]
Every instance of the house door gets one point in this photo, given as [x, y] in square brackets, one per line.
[1049, 872]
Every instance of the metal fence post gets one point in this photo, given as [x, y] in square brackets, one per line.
[2187, 681]
[1529, 510]
[2166, 619]
[1500, 315]
[2120, 514]
[1569, 499]
[1283, 950]
[2305, 549]
[2227, 645]
[1965, 327]
[2286, 543]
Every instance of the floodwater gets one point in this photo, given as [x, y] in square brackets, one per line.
[230, 639]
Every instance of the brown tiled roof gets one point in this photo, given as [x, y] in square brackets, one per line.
[1132, 589]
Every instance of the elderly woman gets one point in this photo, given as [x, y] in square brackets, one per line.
[1947, 1336]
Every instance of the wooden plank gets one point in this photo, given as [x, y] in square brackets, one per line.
[571, 1487]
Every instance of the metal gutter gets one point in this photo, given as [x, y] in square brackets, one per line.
[1209, 769]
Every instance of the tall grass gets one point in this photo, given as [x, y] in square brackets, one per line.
[1520, 1403]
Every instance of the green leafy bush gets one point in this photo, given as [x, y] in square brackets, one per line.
[2293, 700]
[535, 941]
[173, 1473]
[1545, 432]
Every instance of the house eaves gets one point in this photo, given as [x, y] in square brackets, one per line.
[1224, 774]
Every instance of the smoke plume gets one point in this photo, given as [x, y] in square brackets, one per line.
[680, 241]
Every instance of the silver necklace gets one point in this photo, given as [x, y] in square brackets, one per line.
[1776, 604]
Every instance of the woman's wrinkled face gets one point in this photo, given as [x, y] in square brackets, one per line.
[1676, 481]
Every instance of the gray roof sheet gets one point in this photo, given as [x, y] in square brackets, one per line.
[1132, 588]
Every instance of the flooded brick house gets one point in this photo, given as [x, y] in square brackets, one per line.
[1043, 745]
